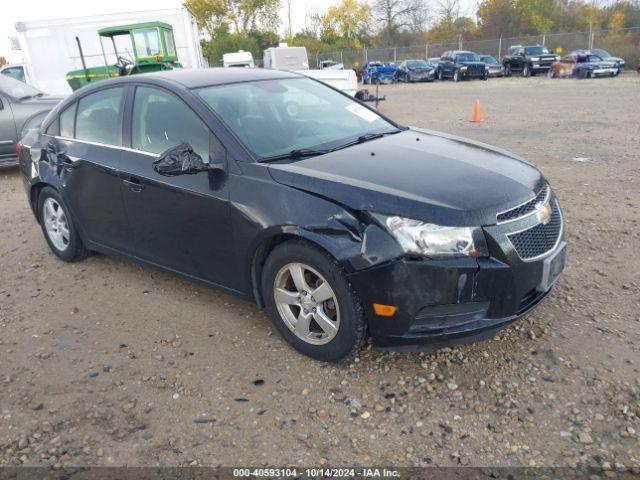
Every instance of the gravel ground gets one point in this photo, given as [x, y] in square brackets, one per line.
[106, 363]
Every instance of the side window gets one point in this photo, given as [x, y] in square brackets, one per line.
[67, 119]
[98, 117]
[168, 41]
[54, 127]
[161, 120]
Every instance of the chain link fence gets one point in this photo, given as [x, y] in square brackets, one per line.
[623, 43]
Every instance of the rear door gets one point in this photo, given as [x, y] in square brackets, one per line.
[181, 222]
[90, 141]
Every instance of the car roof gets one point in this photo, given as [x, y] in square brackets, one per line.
[455, 52]
[205, 77]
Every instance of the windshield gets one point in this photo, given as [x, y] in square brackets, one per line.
[17, 89]
[417, 64]
[466, 57]
[489, 59]
[600, 53]
[275, 117]
[536, 50]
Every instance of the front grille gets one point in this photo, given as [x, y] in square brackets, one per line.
[540, 239]
[526, 208]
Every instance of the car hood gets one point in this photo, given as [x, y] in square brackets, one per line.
[44, 100]
[418, 174]
[471, 64]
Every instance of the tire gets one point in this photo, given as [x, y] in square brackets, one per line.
[582, 74]
[507, 70]
[456, 76]
[526, 70]
[550, 73]
[58, 228]
[343, 308]
[439, 75]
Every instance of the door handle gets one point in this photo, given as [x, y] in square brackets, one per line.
[134, 185]
[67, 161]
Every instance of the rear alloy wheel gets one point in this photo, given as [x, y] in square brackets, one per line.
[58, 228]
[311, 302]
[439, 75]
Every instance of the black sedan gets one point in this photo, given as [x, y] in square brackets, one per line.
[21, 107]
[279, 189]
[415, 71]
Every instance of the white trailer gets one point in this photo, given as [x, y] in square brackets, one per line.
[49, 48]
[284, 57]
[238, 59]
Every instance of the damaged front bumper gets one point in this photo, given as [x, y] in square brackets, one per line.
[445, 302]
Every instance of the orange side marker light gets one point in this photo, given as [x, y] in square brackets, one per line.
[384, 310]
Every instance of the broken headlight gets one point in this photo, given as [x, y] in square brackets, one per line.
[435, 241]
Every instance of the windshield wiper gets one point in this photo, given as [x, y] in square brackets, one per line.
[294, 154]
[365, 138]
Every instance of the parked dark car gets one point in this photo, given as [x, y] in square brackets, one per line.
[21, 107]
[607, 57]
[415, 71]
[494, 69]
[582, 64]
[459, 65]
[378, 72]
[337, 220]
[528, 60]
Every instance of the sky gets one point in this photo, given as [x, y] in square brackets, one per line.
[27, 10]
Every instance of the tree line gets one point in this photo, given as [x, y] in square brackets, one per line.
[253, 25]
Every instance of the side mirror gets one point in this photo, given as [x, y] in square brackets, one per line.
[181, 160]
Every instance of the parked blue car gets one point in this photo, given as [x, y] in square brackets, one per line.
[378, 72]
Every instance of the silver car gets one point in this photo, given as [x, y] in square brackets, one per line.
[22, 108]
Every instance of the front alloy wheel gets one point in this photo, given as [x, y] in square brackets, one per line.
[306, 303]
[311, 302]
[526, 71]
[456, 76]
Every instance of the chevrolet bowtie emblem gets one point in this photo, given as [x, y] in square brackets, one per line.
[543, 213]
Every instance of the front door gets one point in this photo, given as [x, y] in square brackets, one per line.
[182, 222]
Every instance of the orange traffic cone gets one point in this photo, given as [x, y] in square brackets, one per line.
[477, 115]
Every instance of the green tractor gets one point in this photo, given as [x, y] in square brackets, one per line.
[154, 49]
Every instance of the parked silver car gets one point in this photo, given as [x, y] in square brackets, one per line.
[22, 107]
